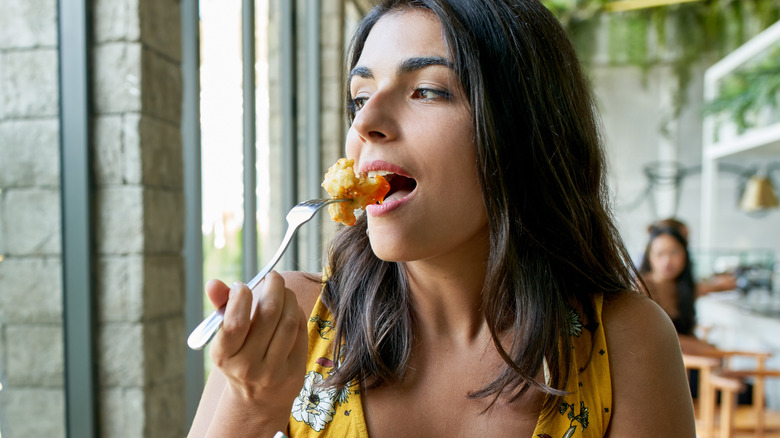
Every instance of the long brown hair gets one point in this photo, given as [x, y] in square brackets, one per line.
[553, 243]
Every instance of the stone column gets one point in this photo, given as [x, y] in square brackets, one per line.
[137, 94]
[31, 339]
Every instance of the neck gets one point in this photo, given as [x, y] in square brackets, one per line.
[447, 297]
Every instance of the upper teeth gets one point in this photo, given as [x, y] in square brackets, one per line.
[374, 173]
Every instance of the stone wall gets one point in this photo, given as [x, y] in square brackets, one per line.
[31, 338]
[136, 95]
[140, 217]
[138, 198]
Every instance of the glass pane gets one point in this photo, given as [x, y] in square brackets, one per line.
[222, 136]
[221, 143]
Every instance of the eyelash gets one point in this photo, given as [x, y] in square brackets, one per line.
[438, 93]
[355, 104]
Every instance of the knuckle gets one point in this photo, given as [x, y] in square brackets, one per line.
[235, 326]
[240, 293]
[289, 323]
[269, 308]
[217, 359]
[275, 278]
[243, 371]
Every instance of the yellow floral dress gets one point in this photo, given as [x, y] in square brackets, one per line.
[584, 412]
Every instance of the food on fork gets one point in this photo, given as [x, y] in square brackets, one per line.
[341, 182]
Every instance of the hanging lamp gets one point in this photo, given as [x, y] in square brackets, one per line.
[759, 194]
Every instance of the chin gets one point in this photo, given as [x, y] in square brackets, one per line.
[387, 248]
[383, 253]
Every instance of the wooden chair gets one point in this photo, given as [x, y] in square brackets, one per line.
[705, 402]
[716, 377]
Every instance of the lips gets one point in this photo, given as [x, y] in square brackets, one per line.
[402, 186]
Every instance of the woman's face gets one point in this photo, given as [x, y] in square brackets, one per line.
[413, 121]
[667, 258]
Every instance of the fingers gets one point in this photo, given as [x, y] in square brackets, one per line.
[217, 292]
[236, 324]
[270, 330]
[300, 349]
[287, 331]
[268, 311]
[262, 347]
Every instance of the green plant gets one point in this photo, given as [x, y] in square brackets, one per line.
[679, 35]
[746, 92]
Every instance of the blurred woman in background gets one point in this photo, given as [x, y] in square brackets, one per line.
[668, 274]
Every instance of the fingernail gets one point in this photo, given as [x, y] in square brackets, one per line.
[237, 284]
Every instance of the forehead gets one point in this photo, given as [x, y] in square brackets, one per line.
[665, 242]
[401, 34]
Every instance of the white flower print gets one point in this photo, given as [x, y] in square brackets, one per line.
[575, 323]
[342, 395]
[314, 406]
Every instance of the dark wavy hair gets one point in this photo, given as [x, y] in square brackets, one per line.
[553, 243]
[685, 285]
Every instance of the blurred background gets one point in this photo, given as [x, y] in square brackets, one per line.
[147, 145]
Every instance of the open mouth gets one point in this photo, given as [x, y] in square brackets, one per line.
[400, 185]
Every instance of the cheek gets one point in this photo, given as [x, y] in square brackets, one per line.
[656, 262]
[678, 263]
[352, 145]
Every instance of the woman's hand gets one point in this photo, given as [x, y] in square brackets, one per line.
[261, 350]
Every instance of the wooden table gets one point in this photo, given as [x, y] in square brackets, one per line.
[737, 322]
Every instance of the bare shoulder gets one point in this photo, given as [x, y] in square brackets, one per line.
[637, 328]
[648, 377]
[306, 286]
[628, 309]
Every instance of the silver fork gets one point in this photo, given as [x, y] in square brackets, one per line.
[300, 214]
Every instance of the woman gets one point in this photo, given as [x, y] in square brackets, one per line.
[667, 271]
[489, 293]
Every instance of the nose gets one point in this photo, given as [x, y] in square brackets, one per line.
[376, 121]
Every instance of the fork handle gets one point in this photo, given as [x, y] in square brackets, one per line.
[288, 235]
[205, 331]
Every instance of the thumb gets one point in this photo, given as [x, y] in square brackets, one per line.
[218, 293]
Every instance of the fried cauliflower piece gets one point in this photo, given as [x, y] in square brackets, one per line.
[342, 183]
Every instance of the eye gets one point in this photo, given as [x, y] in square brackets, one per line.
[429, 94]
[355, 104]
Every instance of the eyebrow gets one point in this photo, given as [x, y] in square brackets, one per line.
[408, 65]
[412, 64]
